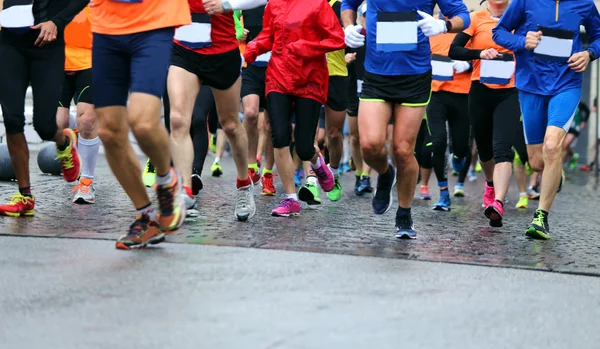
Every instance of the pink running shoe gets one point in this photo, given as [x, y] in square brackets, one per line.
[287, 207]
[494, 213]
[489, 196]
[325, 176]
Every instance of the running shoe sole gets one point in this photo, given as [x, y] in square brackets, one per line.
[405, 236]
[494, 217]
[459, 194]
[425, 197]
[83, 201]
[537, 234]
[441, 208]
[217, 173]
[285, 215]
[196, 184]
[157, 239]
[308, 197]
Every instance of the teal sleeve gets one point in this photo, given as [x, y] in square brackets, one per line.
[239, 29]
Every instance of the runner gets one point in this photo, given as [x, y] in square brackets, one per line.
[449, 104]
[32, 50]
[207, 52]
[77, 87]
[397, 83]
[493, 105]
[299, 34]
[580, 119]
[131, 52]
[550, 63]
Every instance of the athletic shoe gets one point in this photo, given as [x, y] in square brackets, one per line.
[287, 207]
[365, 185]
[141, 233]
[69, 158]
[268, 188]
[458, 163]
[84, 192]
[574, 161]
[532, 194]
[489, 196]
[297, 178]
[424, 191]
[459, 190]
[213, 143]
[382, 197]
[190, 202]
[245, 207]
[172, 207]
[309, 193]
[336, 193]
[197, 184]
[357, 191]
[478, 167]
[324, 176]
[494, 213]
[539, 227]
[523, 202]
[563, 179]
[255, 176]
[443, 204]
[149, 174]
[405, 228]
[472, 175]
[19, 205]
[216, 169]
[344, 167]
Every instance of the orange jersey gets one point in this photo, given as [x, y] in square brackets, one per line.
[120, 17]
[480, 32]
[461, 83]
[78, 42]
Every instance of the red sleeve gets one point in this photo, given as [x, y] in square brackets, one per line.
[263, 43]
[332, 35]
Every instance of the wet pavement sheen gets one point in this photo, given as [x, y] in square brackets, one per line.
[345, 227]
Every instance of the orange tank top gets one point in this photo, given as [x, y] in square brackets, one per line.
[78, 42]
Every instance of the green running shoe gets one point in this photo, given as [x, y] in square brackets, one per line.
[309, 193]
[216, 170]
[539, 228]
[336, 193]
[149, 174]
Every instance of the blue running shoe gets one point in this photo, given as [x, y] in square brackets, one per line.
[365, 185]
[443, 204]
[297, 178]
[357, 186]
[405, 228]
[382, 197]
[458, 163]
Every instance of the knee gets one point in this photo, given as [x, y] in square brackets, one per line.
[354, 139]
[230, 126]
[371, 148]
[180, 124]
[86, 122]
[14, 124]
[551, 149]
[438, 146]
[112, 135]
[46, 128]
[403, 153]
[305, 150]
[333, 133]
[503, 154]
[251, 116]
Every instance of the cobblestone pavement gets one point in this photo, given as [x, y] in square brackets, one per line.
[346, 227]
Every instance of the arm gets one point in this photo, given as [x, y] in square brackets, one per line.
[457, 13]
[239, 29]
[513, 17]
[348, 11]
[65, 16]
[332, 35]
[263, 43]
[592, 28]
[458, 50]
[246, 4]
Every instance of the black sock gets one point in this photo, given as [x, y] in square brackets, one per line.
[544, 212]
[501, 203]
[26, 191]
[403, 212]
[65, 145]
[490, 183]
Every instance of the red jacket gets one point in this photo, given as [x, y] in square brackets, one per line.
[298, 33]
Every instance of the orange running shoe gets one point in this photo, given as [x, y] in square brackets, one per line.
[69, 158]
[18, 206]
[424, 192]
[255, 176]
[172, 209]
[141, 233]
[84, 192]
[268, 189]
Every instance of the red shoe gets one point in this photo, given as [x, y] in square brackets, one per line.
[268, 189]
[254, 175]
[19, 205]
[69, 158]
[494, 213]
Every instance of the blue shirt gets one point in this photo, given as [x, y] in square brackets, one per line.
[535, 73]
[400, 48]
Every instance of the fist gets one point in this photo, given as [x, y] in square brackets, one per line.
[350, 57]
[213, 7]
[532, 40]
[490, 53]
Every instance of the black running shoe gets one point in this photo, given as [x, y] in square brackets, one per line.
[382, 198]
[539, 227]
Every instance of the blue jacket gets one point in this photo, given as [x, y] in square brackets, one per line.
[537, 75]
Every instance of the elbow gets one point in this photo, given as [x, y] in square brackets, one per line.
[453, 52]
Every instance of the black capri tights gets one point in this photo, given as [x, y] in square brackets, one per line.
[22, 64]
[281, 108]
[495, 116]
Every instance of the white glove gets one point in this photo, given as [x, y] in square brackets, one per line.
[431, 26]
[353, 37]
[461, 66]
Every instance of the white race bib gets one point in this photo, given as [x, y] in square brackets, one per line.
[556, 45]
[17, 15]
[396, 31]
[263, 60]
[196, 35]
[498, 71]
[442, 68]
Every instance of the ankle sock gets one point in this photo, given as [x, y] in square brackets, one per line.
[149, 211]
[490, 183]
[243, 183]
[316, 164]
[254, 167]
[166, 179]
[403, 212]
[265, 171]
[292, 196]
[312, 180]
[26, 191]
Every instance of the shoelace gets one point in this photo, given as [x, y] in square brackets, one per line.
[287, 202]
[539, 218]
[81, 187]
[243, 197]
[165, 200]
[150, 167]
[66, 158]
[404, 222]
[18, 198]
[140, 224]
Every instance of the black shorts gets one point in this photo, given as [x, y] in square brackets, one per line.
[574, 131]
[406, 90]
[218, 71]
[352, 98]
[253, 83]
[77, 87]
[337, 94]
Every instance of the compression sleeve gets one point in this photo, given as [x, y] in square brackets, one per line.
[64, 17]
[459, 52]
[513, 17]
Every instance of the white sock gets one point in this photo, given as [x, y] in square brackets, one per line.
[160, 180]
[316, 164]
[336, 171]
[292, 196]
[150, 212]
[522, 194]
[88, 151]
[217, 160]
[346, 156]
[312, 180]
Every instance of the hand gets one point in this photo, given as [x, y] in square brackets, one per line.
[579, 61]
[532, 40]
[431, 26]
[48, 32]
[353, 37]
[245, 36]
[350, 57]
[213, 7]
[490, 53]
[461, 66]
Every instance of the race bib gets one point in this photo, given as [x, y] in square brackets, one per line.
[442, 68]
[263, 60]
[359, 86]
[556, 45]
[396, 31]
[17, 14]
[497, 71]
[196, 35]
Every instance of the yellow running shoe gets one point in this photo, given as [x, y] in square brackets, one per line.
[149, 174]
[478, 167]
[523, 202]
[213, 143]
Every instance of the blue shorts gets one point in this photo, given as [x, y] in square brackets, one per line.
[539, 112]
[130, 63]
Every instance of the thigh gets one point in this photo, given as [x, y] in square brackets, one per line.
[83, 87]
[337, 93]
[562, 108]
[183, 88]
[437, 114]
[308, 111]
[110, 71]
[280, 108]
[535, 116]
[47, 75]
[481, 117]
[68, 90]
[220, 71]
[373, 118]
[14, 80]
[407, 122]
[150, 57]
[202, 107]
[227, 102]
[507, 122]
[458, 121]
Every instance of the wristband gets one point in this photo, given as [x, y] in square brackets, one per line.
[592, 57]
[226, 6]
